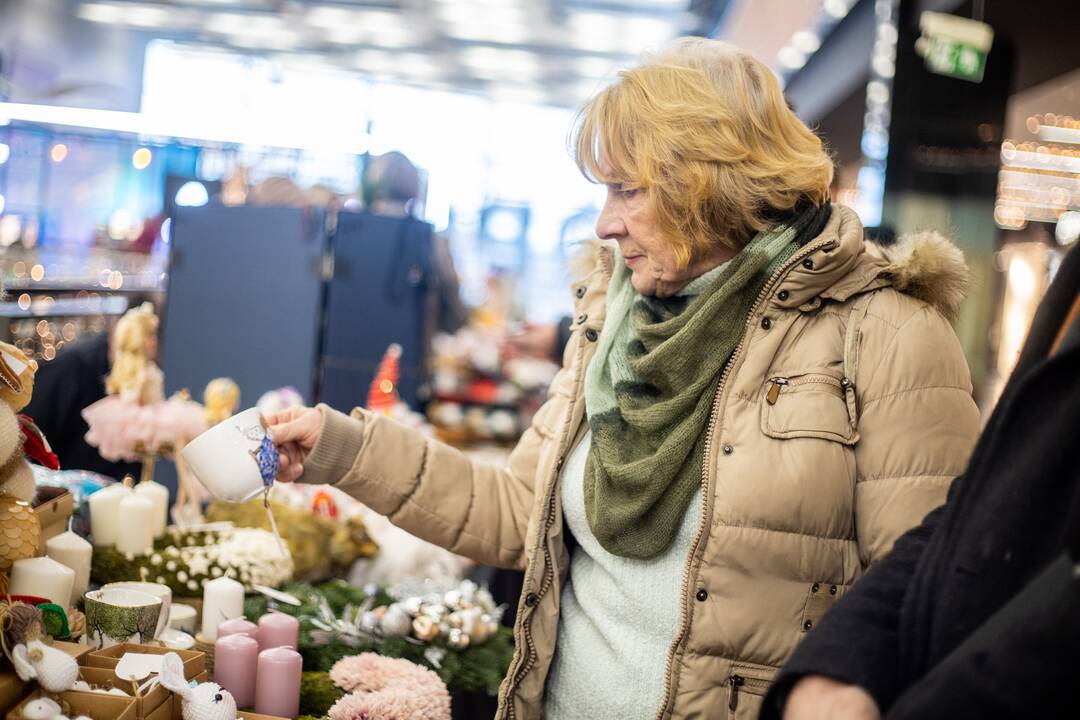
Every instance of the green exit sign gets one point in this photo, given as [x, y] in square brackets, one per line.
[954, 46]
[956, 59]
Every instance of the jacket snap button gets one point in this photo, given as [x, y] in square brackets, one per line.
[808, 264]
[580, 292]
[702, 595]
[832, 590]
[807, 625]
[531, 600]
[783, 295]
[727, 449]
[591, 335]
[582, 318]
[766, 323]
[815, 587]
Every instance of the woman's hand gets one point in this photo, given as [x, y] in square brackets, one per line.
[819, 698]
[295, 431]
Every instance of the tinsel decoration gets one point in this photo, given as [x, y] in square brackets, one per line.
[186, 561]
[477, 667]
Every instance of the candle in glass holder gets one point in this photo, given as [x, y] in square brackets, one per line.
[277, 684]
[277, 629]
[43, 577]
[70, 550]
[237, 626]
[135, 535]
[235, 660]
[105, 513]
[223, 599]
[158, 494]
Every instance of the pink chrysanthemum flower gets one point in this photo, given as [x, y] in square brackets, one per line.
[388, 689]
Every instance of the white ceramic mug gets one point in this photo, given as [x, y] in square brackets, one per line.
[119, 615]
[157, 590]
[225, 457]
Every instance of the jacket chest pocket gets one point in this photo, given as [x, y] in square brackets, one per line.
[747, 686]
[809, 405]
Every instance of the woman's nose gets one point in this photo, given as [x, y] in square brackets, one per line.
[609, 224]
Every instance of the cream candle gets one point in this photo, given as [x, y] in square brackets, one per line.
[158, 494]
[223, 599]
[277, 629]
[135, 535]
[182, 617]
[237, 626]
[74, 552]
[277, 684]
[43, 577]
[105, 514]
[235, 661]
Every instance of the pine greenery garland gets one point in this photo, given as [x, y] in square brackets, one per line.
[478, 668]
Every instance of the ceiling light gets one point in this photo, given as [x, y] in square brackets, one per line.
[415, 66]
[58, 153]
[595, 67]
[806, 42]
[497, 63]
[884, 66]
[877, 92]
[519, 94]
[100, 12]
[330, 17]
[791, 58]
[606, 31]
[836, 8]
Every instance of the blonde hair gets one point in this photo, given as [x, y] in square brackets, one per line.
[704, 129]
[133, 331]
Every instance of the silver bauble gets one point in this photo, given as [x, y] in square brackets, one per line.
[396, 622]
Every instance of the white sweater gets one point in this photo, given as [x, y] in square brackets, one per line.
[619, 617]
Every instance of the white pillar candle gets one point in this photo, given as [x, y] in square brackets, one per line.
[136, 533]
[72, 551]
[43, 577]
[223, 599]
[159, 495]
[105, 514]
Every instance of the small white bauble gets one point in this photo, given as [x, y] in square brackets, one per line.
[396, 622]
[41, 709]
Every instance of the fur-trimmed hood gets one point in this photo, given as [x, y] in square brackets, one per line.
[925, 265]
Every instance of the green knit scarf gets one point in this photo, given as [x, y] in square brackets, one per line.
[649, 389]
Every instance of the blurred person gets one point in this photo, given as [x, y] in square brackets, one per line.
[391, 187]
[976, 612]
[754, 405]
[277, 191]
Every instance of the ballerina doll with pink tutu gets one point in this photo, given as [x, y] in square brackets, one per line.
[135, 421]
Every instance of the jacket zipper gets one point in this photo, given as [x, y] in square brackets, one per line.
[776, 384]
[714, 417]
[737, 681]
[549, 574]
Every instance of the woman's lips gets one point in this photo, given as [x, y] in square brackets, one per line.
[631, 259]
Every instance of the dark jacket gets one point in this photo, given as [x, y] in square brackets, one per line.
[976, 613]
[62, 388]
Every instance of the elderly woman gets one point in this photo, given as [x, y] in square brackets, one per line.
[753, 406]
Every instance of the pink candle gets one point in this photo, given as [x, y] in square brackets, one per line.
[278, 630]
[238, 626]
[235, 660]
[277, 687]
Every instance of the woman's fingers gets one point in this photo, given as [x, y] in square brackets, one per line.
[296, 425]
[292, 460]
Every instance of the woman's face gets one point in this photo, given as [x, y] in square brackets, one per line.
[628, 218]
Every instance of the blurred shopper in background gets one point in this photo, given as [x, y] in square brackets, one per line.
[754, 405]
[976, 612]
[391, 187]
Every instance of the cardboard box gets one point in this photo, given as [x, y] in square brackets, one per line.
[144, 704]
[53, 506]
[93, 705]
[109, 658]
[75, 650]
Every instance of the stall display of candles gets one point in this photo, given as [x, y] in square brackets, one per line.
[157, 494]
[277, 629]
[105, 514]
[277, 682]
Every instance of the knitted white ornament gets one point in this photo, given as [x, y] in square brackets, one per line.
[207, 701]
[54, 669]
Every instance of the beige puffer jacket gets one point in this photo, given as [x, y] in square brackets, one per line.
[840, 421]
